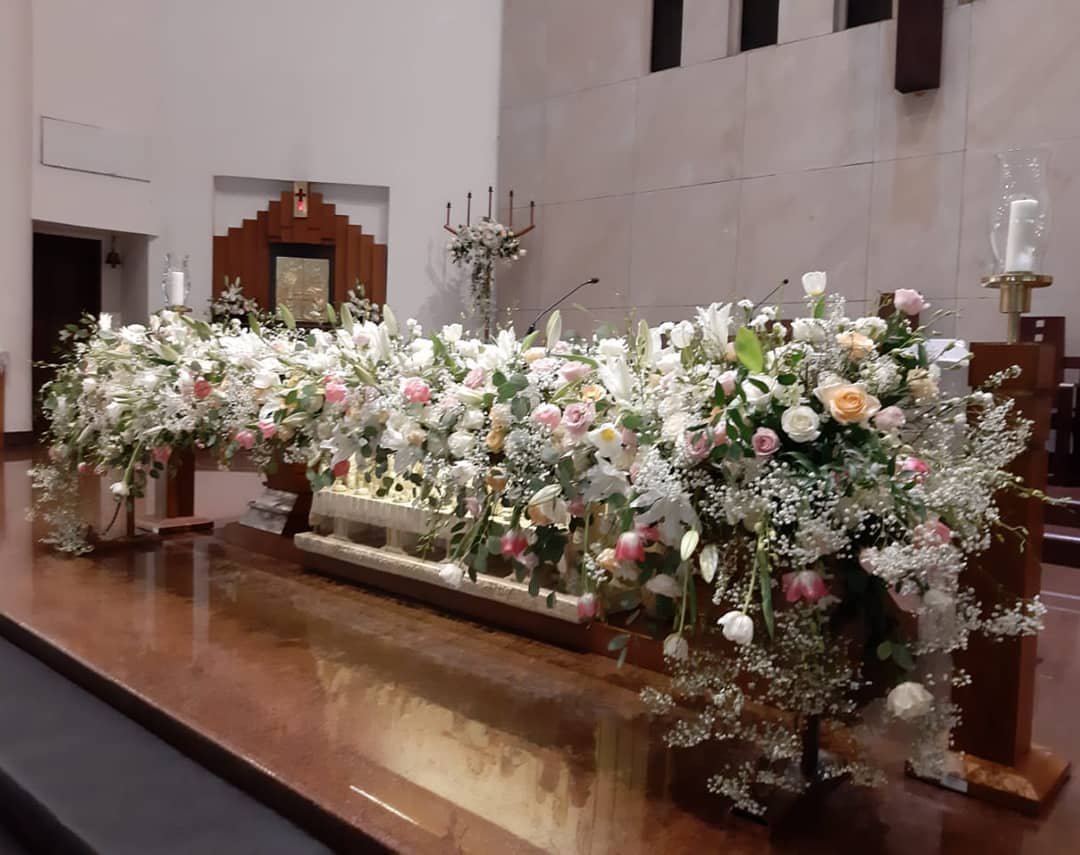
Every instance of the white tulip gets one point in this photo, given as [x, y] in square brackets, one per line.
[120, 489]
[808, 330]
[675, 647]
[682, 334]
[709, 561]
[738, 627]
[814, 283]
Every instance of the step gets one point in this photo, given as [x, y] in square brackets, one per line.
[78, 776]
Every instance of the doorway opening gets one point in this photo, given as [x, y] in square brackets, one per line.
[66, 285]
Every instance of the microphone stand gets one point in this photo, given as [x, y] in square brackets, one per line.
[563, 298]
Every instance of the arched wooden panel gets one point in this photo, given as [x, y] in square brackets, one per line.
[245, 251]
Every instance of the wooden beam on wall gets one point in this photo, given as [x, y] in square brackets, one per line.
[920, 27]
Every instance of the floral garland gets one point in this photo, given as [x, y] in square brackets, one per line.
[769, 496]
[479, 246]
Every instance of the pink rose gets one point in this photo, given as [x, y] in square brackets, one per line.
[161, 454]
[890, 419]
[577, 418]
[334, 391]
[629, 441]
[720, 436]
[574, 370]
[586, 606]
[804, 585]
[85, 468]
[513, 543]
[630, 547]
[245, 439]
[909, 301]
[202, 388]
[727, 382]
[698, 445]
[544, 365]
[933, 532]
[267, 428]
[341, 468]
[416, 391]
[548, 415]
[765, 442]
[475, 378]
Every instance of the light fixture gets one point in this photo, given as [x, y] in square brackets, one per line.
[113, 259]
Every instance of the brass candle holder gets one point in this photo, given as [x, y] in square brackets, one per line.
[1014, 297]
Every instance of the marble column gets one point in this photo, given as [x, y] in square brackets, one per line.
[16, 230]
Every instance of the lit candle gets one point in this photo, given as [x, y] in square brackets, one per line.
[175, 288]
[1021, 242]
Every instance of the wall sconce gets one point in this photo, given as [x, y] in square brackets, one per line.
[113, 259]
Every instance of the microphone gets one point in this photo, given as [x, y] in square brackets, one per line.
[532, 327]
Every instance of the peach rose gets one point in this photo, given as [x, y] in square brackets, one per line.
[848, 403]
[857, 345]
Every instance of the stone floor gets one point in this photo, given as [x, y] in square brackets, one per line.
[435, 734]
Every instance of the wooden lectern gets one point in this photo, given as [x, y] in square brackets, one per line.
[996, 760]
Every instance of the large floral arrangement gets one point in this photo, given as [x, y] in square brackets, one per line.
[233, 303]
[478, 247]
[774, 495]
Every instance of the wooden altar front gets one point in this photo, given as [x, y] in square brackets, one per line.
[245, 252]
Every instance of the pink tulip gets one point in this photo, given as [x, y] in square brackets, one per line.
[202, 388]
[267, 428]
[85, 468]
[805, 585]
[586, 607]
[630, 547]
[765, 442]
[416, 391]
[576, 506]
[548, 415]
[161, 454]
[475, 378]
[514, 543]
[650, 532]
[915, 466]
[334, 391]
[245, 439]
[341, 468]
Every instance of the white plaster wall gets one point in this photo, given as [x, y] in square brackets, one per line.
[15, 231]
[347, 93]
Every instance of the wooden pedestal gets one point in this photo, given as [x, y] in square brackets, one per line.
[997, 761]
[179, 500]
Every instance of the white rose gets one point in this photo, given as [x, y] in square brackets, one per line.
[757, 397]
[452, 574]
[738, 627]
[909, 701]
[461, 443]
[473, 419]
[814, 283]
[801, 423]
[808, 330]
[682, 334]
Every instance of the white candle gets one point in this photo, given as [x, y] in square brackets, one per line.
[175, 288]
[1021, 242]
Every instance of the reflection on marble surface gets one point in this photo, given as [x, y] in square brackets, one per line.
[437, 735]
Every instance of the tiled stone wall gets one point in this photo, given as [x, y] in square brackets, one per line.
[724, 176]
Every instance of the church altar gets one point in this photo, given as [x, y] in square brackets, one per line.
[768, 496]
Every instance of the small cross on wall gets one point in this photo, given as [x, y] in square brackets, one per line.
[300, 198]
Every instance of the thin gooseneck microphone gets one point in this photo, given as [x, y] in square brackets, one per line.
[563, 298]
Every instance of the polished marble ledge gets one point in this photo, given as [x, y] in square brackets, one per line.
[433, 734]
